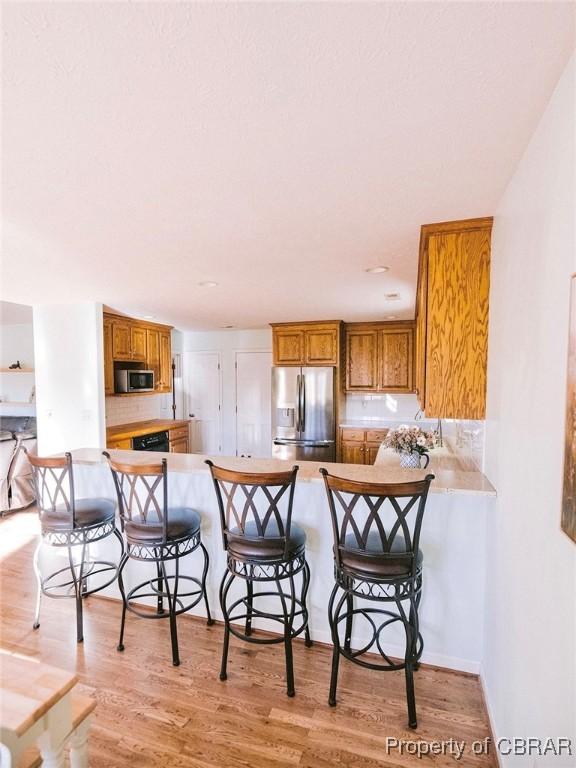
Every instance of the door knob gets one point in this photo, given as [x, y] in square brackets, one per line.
[191, 415]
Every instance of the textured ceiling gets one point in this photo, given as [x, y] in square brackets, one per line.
[277, 148]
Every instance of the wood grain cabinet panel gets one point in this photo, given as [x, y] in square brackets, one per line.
[121, 341]
[165, 382]
[321, 346]
[153, 354]
[453, 294]
[108, 359]
[352, 452]
[179, 446]
[360, 446]
[397, 355]
[138, 343]
[370, 452]
[288, 347]
[361, 360]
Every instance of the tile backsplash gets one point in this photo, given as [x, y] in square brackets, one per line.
[125, 410]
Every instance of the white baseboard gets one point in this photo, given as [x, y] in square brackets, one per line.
[491, 720]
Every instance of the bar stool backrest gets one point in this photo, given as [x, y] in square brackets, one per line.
[389, 514]
[142, 491]
[246, 498]
[54, 484]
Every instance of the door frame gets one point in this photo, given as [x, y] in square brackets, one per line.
[186, 365]
[244, 352]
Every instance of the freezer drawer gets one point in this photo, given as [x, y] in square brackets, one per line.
[324, 450]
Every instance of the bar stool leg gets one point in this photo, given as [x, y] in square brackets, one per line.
[349, 618]
[123, 561]
[210, 620]
[409, 660]
[160, 600]
[36, 566]
[249, 604]
[172, 614]
[288, 637]
[78, 579]
[305, 587]
[333, 620]
[227, 580]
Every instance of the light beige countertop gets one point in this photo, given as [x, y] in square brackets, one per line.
[449, 479]
[388, 423]
[138, 428]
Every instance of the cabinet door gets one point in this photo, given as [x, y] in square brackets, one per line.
[396, 355]
[420, 353]
[321, 346]
[138, 343]
[288, 346]
[457, 324]
[370, 452]
[179, 446]
[352, 452]
[122, 445]
[108, 359]
[121, 342]
[165, 378]
[153, 354]
[361, 360]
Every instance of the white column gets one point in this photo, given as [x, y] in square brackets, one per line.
[69, 354]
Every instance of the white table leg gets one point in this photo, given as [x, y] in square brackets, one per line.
[79, 745]
[5, 757]
[51, 751]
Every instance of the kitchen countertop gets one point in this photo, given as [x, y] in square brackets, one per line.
[447, 480]
[138, 428]
[388, 423]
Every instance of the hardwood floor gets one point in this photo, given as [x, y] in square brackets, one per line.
[150, 713]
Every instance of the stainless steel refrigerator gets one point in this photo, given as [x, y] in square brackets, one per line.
[303, 419]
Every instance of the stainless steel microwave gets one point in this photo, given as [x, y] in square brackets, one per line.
[126, 380]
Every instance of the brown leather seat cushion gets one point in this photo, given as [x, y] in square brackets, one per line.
[373, 561]
[88, 512]
[271, 547]
[182, 522]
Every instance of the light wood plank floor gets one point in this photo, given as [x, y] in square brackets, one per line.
[150, 713]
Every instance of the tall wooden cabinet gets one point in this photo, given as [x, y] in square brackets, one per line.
[380, 357]
[452, 318]
[139, 345]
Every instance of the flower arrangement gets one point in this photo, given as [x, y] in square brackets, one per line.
[407, 439]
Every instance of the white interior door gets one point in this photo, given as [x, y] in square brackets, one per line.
[204, 402]
[253, 404]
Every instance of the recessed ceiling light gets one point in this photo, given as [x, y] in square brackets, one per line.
[391, 317]
[376, 270]
[208, 284]
[391, 296]
[148, 317]
[228, 326]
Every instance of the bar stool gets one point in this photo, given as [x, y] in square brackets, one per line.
[262, 547]
[157, 533]
[377, 558]
[66, 521]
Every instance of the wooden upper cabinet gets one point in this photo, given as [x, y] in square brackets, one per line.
[108, 359]
[456, 266]
[361, 360]
[121, 341]
[288, 347]
[397, 358]
[164, 383]
[380, 357]
[138, 343]
[145, 345]
[153, 353]
[306, 343]
[321, 346]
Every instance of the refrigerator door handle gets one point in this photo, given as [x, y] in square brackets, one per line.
[298, 404]
[303, 408]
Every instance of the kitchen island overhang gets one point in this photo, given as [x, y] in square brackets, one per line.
[453, 542]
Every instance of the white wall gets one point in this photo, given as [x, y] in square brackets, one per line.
[227, 343]
[529, 667]
[68, 344]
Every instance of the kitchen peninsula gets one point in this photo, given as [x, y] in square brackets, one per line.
[453, 540]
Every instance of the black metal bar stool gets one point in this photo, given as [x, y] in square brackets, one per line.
[66, 521]
[376, 558]
[157, 533]
[262, 546]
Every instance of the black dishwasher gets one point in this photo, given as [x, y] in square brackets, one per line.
[157, 441]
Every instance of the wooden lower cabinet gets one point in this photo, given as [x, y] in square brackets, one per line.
[122, 445]
[360, 446]
[179, 440]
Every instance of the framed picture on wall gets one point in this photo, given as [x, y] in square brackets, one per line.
[569, 491]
